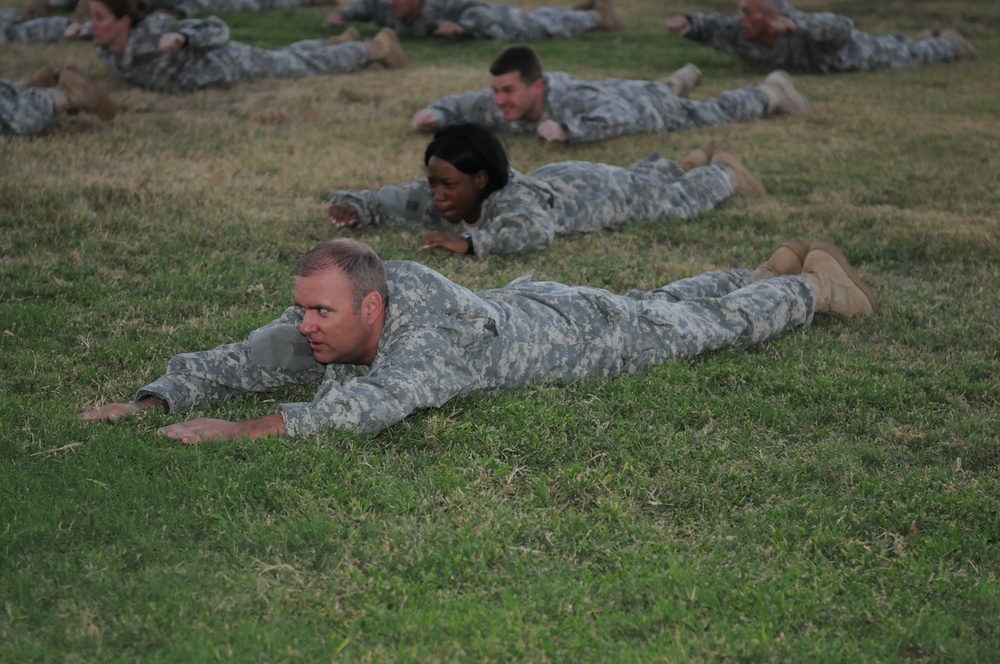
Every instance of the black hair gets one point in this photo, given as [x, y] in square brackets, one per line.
[471, 148]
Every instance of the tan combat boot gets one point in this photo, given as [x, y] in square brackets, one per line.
[782, 97]
[351, 34]
[745, 183]
[684, 80]
[385, 48]
[698, 157]
[963, 49]
[836, 287]
[76, 92]
[46, 77]
[786, 260]
[607, 16]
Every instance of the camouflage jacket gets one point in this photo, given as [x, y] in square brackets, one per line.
[480, 20]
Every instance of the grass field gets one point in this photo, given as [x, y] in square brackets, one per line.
[831, 496]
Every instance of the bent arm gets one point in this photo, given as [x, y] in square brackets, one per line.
[404, 205]
[830, 31]
[203, 35]
[476, 107]
[362, 10]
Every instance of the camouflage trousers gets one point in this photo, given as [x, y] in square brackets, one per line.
[715, 310]
[24, 113]
[505, 23]
[236, 62]
[193, 7]
[35, 31]
[731, 106]
[866, 52]
[594, 196]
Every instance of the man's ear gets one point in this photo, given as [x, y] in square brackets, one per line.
[371, 306]
[538, 87]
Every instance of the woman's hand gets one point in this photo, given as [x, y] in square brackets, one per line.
[343, 216]
[446, 241]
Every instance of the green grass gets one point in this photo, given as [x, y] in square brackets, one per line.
[831, 496]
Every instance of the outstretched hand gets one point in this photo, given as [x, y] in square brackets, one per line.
[446, 241]
[552, 132]
[449, 30]
[343, 216]
[424, 120]
[679, 24]
[205, 430]
[171, 42]
[783, 25]
[113, 412]
[336, 20]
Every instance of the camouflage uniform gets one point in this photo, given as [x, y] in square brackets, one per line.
[557, 199]
[824, 44]
[210, 60]
[24, 113]
[598, 110]
[481, 20]
[35, 31]
[193, 7]
[441, 341]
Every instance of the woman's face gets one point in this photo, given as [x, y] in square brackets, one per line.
[458, 196]
[108, 30]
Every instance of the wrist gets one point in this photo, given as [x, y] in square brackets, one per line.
[471, 249]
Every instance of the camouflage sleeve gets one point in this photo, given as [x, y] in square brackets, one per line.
[275, 356]
[398, 205]
[719, 32]
[488, 21]
[515, 222]
[830, 31]
[468, 107]
[204, 35]
[427, 367]
[362, 10]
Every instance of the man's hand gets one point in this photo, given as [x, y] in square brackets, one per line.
[204, 430]
[424, 120]
[446, 241]
[336, 20]
[679, 24]
[76, 31]
[783, 25]
[171, 42]
[449, 30]
[553, 132]
[343, 216]
[113, 412]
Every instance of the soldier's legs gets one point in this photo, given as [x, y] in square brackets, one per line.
[893, 51]
[36, 31]
[24, 113]
[559, 23]
[717, 310]
[664, 191]
[308, 58]
[729, 107]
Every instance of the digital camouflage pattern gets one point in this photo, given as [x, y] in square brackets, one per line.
[35, 31]
[598, 110]
[192, 7]
[441, 341]
[24, 113]
[210, 60]
[481, 20]
[557, 199]
[824, 44]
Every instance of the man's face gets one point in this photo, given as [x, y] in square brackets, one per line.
[406, 11]
[516, 99]
[756, 17]
[335, 331]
